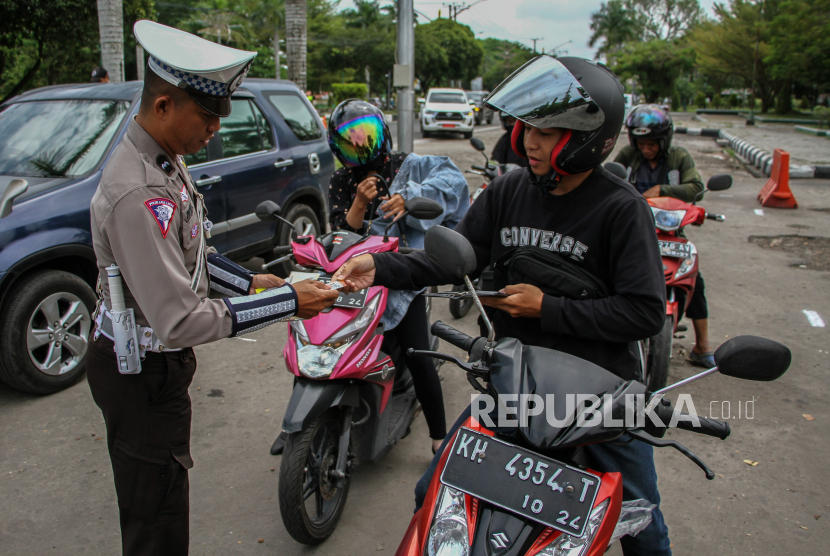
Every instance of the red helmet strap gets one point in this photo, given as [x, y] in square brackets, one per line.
[518, 144]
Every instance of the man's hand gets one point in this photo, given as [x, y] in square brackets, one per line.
[393, 206]
[524, 301]
[366, 191]
[358, 273]
[312, 297]
[652, 192]
[264, 282]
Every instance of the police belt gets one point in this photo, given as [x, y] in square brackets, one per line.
[147, 339]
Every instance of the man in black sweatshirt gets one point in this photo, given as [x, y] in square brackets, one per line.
[565, 202]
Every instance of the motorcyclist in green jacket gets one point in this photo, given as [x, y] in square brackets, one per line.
[658, 169]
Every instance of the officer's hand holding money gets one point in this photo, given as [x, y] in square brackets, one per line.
[313, 296]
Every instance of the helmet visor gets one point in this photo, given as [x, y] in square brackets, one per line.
[543, 93]
[359, 141]
[646, 119]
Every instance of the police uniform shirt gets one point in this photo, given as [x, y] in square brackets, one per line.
[146, 219]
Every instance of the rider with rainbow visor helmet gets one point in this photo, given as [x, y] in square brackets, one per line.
[650, 122]
[358, 134]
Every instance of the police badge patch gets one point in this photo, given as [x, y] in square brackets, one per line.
[194, 230]
[162, 210]
[183, 193]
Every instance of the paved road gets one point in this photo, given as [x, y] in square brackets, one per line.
[56, 486]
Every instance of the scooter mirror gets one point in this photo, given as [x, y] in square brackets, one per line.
[423, 208]
[719, 182]
[753, 358]
[450, 250]
[477, 143]
[617, 169]
[268, 211]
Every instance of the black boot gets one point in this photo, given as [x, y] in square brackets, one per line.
[279, 444]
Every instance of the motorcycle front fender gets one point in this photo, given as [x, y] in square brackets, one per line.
[312, 398]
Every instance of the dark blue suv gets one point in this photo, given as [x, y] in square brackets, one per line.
[54, 143]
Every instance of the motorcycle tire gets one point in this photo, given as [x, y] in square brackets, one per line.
[659, 356]
[460, 307]
[310, 502]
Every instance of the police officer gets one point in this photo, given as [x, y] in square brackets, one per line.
[149, 220]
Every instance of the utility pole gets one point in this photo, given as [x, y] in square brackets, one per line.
[456, 9]
[534, 42]
[404, 74]
[751, 119]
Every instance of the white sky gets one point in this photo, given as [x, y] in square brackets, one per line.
[554, 21]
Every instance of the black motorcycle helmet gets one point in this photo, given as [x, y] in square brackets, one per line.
[508, 122]
[652, 122]
[581, 96]
[358, 134]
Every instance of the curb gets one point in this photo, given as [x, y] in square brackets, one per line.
[755, 156]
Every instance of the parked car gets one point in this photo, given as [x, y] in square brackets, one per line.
[447, 110]
[483, 113]
[56, 140]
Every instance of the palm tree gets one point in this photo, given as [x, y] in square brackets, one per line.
[296, 36]
[111, 28]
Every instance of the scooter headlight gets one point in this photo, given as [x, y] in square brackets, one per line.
[448, 535]
[667, 220]
[688, 263]
[318, 361]
[568, 545]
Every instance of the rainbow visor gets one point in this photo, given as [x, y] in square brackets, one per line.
[359, 141]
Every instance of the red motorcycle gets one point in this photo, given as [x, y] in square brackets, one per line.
[680, 265]
[520, 489]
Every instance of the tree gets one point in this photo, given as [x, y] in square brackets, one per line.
[736, 46]
[800, 47]
[500, 59]
[614, 25]
[111, 26]
[656, 64]
[621, 22]
[445, 50]
[45, 42]
[296, 38]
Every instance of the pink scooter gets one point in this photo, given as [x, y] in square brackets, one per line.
[353, 396]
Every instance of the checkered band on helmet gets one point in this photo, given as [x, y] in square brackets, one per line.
[201, 84]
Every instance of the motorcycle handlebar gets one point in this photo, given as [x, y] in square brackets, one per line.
[716, 217]
[282, 250]
[709, 427]
[453, 336]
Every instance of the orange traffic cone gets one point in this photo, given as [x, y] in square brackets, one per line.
[776, 193]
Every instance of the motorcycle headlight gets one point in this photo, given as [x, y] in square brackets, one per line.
[567, 545]
[667, 220]
[318, 361]
[448, 535]
[688, 263]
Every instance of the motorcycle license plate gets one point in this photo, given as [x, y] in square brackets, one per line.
[674, 249]
[521, 481]
[354, 300]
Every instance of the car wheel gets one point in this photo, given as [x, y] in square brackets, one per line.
[490, 119]
[47, 321]
[468, 135]
[305, 223]
[424, 133]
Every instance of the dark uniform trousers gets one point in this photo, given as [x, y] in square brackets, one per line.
[147, 418]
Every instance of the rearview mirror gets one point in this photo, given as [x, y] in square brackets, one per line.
[16, 188]
[719, 182]
[477, 143]
[617, 169]
[450, 251]
[423, 208]
[268, 211]
[753, 358]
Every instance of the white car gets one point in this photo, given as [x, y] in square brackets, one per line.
[447, 110]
